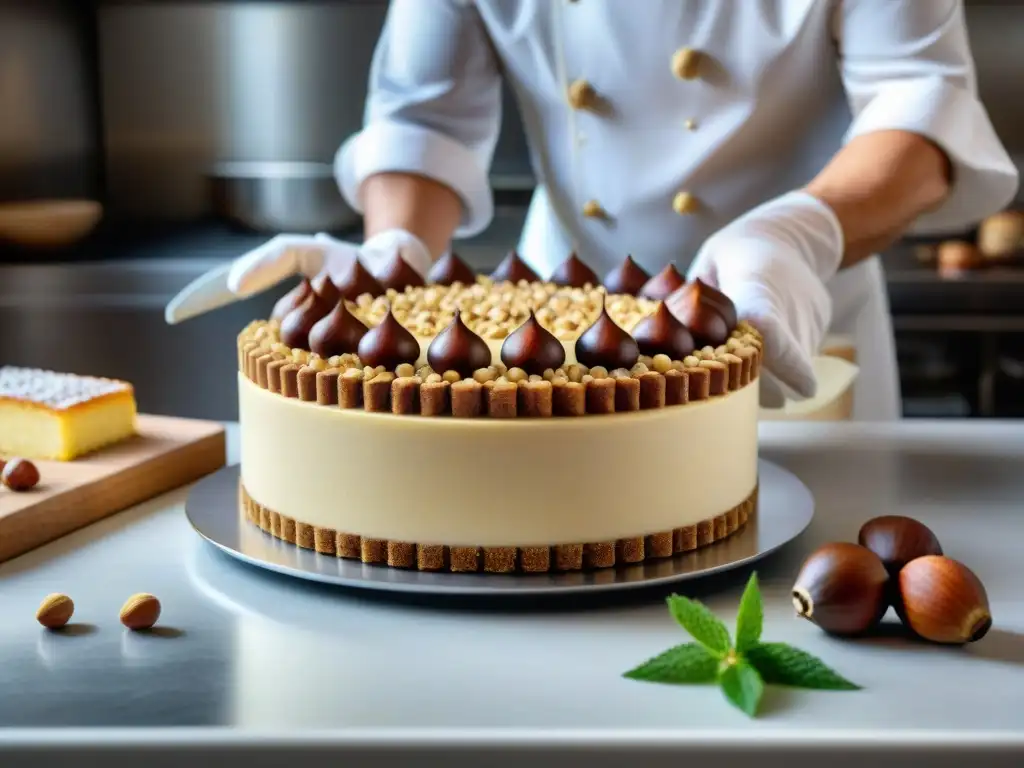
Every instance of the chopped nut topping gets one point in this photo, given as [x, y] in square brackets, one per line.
[493, 311]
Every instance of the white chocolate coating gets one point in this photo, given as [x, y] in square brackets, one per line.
[500, 483]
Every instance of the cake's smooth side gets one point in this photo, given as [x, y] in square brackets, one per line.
[498, 483]
[539, 559]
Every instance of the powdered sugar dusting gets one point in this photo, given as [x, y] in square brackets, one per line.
[58, 391]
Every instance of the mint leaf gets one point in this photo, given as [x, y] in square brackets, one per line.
[750, 618]
[701, 623]
[742, 686]
[782, 664]
[688, 663]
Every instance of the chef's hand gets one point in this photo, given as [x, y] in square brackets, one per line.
[309, 255]
[773, 263]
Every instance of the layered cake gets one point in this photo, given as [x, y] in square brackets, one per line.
[61, 416]
[499, 423]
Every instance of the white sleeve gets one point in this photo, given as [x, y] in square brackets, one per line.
[907, 65]
[433, 106]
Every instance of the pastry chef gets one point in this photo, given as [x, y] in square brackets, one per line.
[771, 147]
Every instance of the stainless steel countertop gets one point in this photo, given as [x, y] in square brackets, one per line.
[252, 661]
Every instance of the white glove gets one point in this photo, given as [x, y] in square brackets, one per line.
[774, 262]
[286, 255]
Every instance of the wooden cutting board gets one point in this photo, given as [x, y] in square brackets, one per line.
[167, 453]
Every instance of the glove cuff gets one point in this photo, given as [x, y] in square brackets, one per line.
[376, 251]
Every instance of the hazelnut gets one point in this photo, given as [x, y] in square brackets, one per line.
[842, 588]
[897, 540]
[140, 611]
[20, 475]
[943, 601]
[483, 375]
[55, 611]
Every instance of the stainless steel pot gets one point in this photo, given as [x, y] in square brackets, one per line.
[187, 85]
[48, 124]
[277, 197]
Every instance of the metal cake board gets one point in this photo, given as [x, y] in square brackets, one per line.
[785, 509]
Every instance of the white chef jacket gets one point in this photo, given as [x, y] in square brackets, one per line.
[779, 86]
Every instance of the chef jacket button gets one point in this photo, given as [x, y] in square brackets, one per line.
[684, 203]
[690, 125]
[686, 63]
[582, 95]
[593, 210]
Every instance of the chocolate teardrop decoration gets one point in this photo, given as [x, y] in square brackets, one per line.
[513, 269]
[450, 269]
[291, 300]
[605, 343]
[532, 347]
[389, 343]
[719, 301]
[661, 333]
[662, 284]
[457, 348]
[325, 288]
[337, 333]
[629, 278]
[574, 273]
[357, 280]
[299, 322]
[692, 308]
[397, 274]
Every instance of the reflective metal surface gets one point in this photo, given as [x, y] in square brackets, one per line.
[49, 131]
[281, 197]
[187, 85]
[785, 509]
[252, 667]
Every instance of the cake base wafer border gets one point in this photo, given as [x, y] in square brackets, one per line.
[462, 559]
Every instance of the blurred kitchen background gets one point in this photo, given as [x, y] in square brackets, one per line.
[144, 142]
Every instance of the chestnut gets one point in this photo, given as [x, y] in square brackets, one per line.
[291, 300]
[943, 601]
[842, 588]
[897, 540]
[20, 475]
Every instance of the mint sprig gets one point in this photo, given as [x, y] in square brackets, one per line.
[741, 669]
